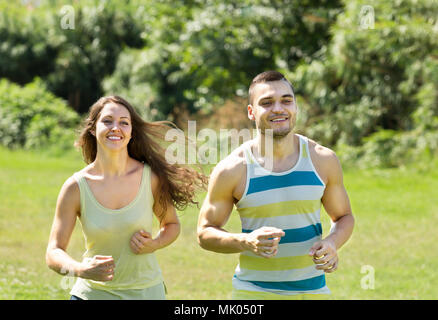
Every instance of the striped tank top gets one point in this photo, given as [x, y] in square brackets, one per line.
[291, 201]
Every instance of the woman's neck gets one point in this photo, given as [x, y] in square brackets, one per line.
[112, 164]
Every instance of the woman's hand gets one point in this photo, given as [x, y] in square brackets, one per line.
[142, 242]
[98, 268]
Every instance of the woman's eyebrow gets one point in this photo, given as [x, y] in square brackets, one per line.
[110, 116]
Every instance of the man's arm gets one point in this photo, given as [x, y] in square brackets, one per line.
[337, 205]
[216, 211]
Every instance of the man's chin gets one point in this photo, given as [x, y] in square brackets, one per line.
[281, 135]
[276, 134]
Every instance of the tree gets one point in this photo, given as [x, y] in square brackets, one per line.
[200, 53]
[369, 80]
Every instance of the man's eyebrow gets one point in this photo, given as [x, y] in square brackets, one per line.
[283, 96]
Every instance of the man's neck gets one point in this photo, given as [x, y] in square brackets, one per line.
[276, 154]
[276, 148]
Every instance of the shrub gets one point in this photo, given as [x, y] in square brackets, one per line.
[31, 117]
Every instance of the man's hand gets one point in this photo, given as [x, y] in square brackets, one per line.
[142, 242]
[264, 241]
[325, 255]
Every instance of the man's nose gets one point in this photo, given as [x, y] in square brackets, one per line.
[277, 107]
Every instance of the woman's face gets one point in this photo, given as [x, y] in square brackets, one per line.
[113, 127]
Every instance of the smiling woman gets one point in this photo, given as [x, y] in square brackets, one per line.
[143, 144]
[126, 181]
[114, 124]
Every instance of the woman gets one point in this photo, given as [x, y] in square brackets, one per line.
[126, 181]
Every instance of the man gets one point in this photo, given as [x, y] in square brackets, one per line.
[278, 196]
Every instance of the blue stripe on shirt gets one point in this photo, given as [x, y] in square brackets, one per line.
[299, 285]
[295, 178]
[298, 234]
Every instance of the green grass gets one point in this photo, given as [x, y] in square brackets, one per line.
[395, 210]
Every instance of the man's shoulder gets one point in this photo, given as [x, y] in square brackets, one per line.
[234, 162]
[325, 160]
[232, 167]
[320, 152]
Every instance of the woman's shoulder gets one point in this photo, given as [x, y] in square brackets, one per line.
[70, 192]
[81, 173]
[71, 185]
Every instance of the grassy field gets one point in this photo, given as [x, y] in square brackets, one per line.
[396, 215]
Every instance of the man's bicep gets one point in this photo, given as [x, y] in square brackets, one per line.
[336, 202]
[215, 210]
[218, 204]
[335, 199]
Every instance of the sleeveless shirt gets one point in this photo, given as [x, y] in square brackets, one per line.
[291, 201]
[108, 232]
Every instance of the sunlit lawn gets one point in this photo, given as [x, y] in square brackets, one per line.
[396, 215]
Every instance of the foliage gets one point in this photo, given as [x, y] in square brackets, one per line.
[24, 49]
[200, 53]
[368, 80]
[191, 54]
[72, 58]
[370, 93]
[33, 118]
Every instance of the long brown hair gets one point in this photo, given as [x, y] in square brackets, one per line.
[177, 183]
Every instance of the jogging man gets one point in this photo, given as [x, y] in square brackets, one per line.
[277, 191]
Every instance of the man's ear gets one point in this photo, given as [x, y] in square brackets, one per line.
[251, 114]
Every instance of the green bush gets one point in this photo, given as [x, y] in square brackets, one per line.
[71, 61]
[33, 118]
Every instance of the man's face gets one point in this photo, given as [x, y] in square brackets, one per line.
[273, 107]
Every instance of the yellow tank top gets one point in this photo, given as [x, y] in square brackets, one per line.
[108, 232]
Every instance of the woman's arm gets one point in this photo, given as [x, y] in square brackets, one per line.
[67, 209]
[100, 268]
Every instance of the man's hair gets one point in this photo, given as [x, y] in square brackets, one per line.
[263, 77]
